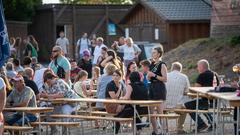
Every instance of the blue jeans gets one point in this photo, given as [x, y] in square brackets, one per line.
[16, 118]
[203, 105]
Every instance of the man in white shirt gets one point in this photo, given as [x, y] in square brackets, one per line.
[177, 86]
[97, 50]
[2, 102]
[83, 44]
[63, 42]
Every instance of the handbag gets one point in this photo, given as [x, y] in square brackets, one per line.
[114, 108]
[60, 71]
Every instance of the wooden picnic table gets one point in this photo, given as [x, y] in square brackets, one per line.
[33, 110]
[233, 100]
[134, 103]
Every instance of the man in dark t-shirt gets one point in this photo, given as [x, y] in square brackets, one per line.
[204, 79]
[28, 76]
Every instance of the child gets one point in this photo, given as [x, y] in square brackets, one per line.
[94, 80]
[80, 84]
[145, 69]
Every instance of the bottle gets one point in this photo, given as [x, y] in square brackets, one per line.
[214, 84]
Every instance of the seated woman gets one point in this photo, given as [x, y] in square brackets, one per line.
[80, 84]
[94, 81]
[135, 91]
[102, 84]
[58, 88]
[115, 89]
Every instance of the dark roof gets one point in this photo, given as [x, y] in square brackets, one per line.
[181, 9]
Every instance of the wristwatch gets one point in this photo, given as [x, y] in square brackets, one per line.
[155, 76]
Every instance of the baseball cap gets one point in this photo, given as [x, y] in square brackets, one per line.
[86, 53]
[18, 78]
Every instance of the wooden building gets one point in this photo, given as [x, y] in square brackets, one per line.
[50, 19]
[169, 22]
[225, 20]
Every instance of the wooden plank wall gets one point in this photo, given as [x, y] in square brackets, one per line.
[143, 21]
[182, 32]
[225, 20]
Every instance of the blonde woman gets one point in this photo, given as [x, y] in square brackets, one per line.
[158, 77]
[130, 51]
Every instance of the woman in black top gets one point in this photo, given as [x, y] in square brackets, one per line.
[158, 76]
[135, 91]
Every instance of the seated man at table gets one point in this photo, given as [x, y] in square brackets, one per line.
[58, 88]
[177, 86]
[204, 79]
[21, 96]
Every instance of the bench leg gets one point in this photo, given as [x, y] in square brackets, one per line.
[114, 127]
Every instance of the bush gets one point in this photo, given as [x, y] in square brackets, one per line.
[235, 41]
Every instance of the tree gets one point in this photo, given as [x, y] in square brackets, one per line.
[20, 10]
[98, 1]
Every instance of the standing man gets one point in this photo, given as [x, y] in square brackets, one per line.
[177, 86]
[98, 48]
[83, 44]
[63, 42]
[2, 102]
[60, 64]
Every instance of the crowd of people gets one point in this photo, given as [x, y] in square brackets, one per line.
[114, 71]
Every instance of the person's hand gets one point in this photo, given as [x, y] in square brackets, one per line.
[110, 57]
[43, 94]
[150, 74]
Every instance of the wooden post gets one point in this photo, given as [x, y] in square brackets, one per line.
[74, 32]
[54, 24]
[107, 22]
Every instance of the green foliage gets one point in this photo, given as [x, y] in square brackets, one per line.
[191, 66]
[235, 41]
[193, 77]
[20, 10]
[98, 1]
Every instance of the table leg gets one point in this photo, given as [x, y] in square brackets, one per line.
[39, 126]
[196, 120]
[237, 120]
[23, 118]
[217, 120]
[134, 119]
[149, 116]
[114, 127]
[213, 132]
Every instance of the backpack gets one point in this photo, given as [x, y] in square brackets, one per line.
[60, 71]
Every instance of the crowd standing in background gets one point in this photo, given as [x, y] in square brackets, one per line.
[111, 70]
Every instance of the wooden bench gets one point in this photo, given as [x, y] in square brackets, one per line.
[19, 129]
[62, 124]
[93, 118]
[166, 116]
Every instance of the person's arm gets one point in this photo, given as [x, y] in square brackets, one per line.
[67, 45]
[128, 93]
[78, 47]
[84, 90]
[3, 97]
[138, 50]
[67, 69]
[67, 76]
[187, 85]
[105, 61]
[162, 78]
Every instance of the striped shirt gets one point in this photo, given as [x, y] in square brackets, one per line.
[177, 84]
